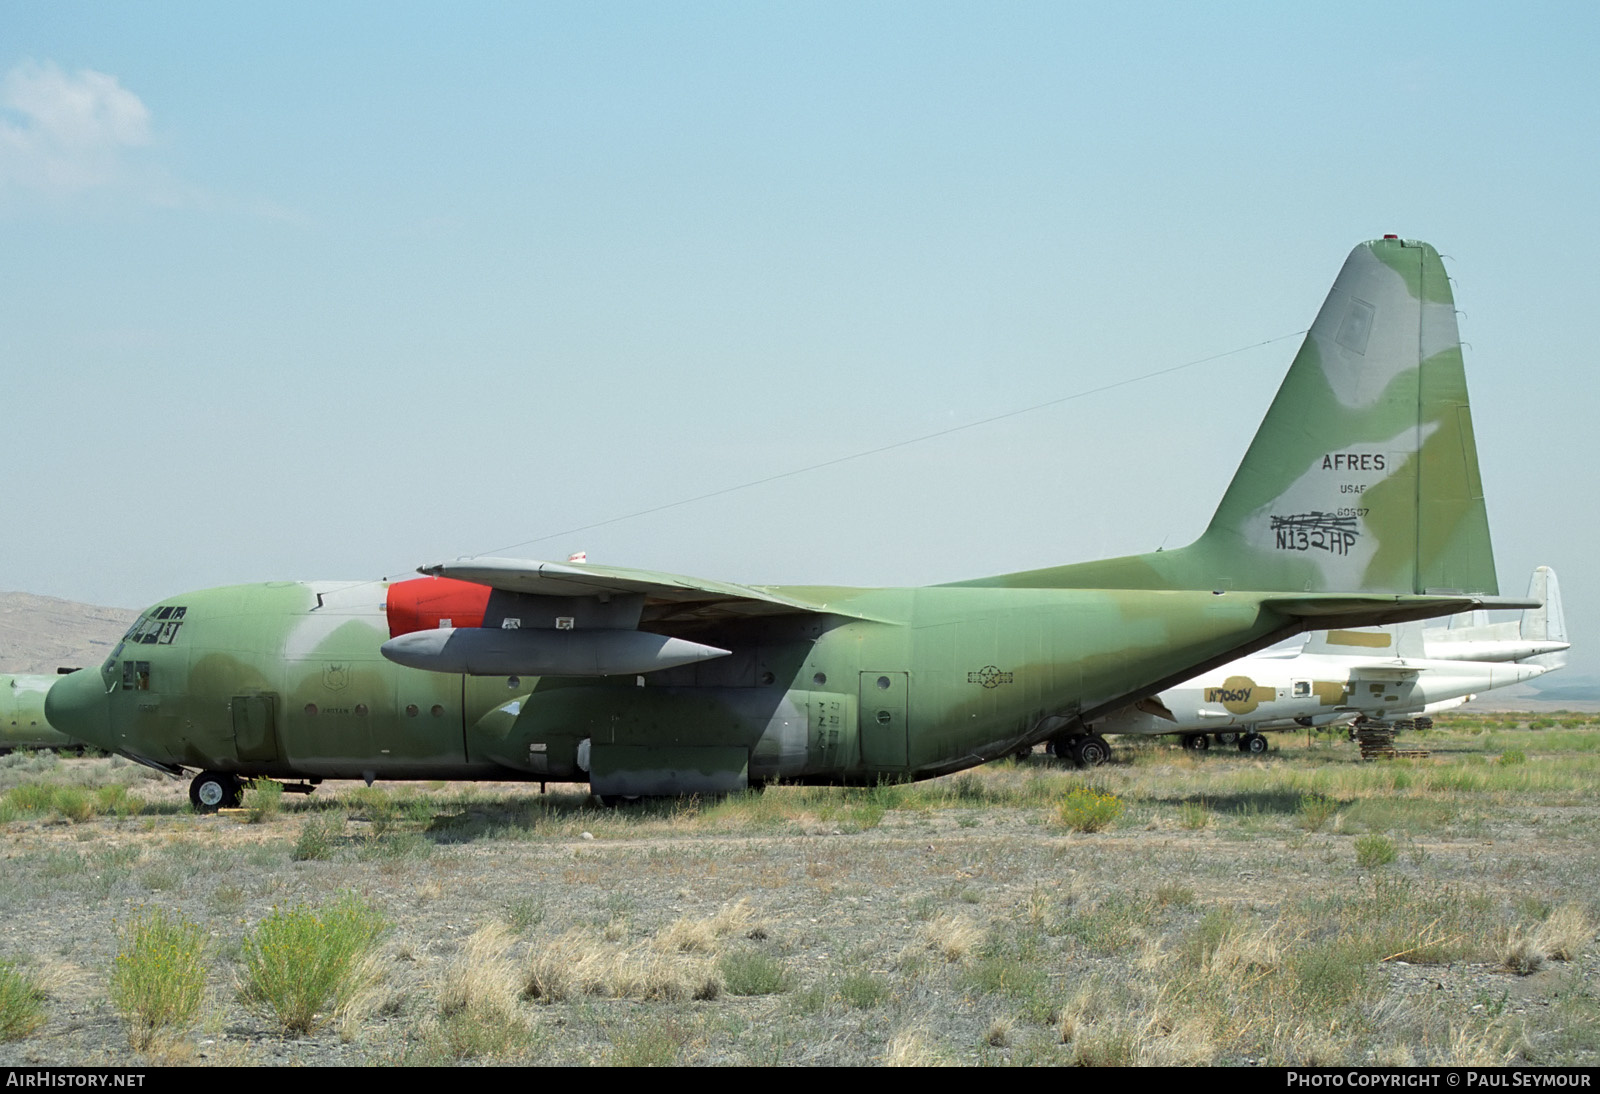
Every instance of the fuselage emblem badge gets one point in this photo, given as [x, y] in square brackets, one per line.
[989, 676]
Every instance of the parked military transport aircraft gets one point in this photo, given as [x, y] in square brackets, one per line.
[22, 720]
[1358, 503]
[1373, 673]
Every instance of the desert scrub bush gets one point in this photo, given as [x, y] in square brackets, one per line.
[72, 802]
[265, 800]
[1511, 757]
[21, 1003]
[1194, 815]
[1373, 851]
[1088, 810]
[1314, 811]
[751, 972]
[863, 990]
[306, 965]
[318, 835]
[115, 800]
[158, 977]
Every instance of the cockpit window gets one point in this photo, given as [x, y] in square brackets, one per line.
[157, 627]
[136, 676]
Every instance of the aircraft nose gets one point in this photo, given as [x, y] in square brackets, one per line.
[76, 705]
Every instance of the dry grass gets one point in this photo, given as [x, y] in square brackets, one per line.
[1566, 932]
[577, 964]
[482, 979]
[705, 935]
[910, 1048]
[952, 937]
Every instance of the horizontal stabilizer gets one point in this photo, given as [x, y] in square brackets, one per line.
[1327, 610]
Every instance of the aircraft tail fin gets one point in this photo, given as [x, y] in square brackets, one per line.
[1363, 477]
[1548, 622]
[1364, 473]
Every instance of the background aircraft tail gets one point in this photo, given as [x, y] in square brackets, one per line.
[1363, 477]
[1547, 623]
[1538, 638]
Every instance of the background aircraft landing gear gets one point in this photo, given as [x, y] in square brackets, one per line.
[1227, 737]
[1090, 751]
[1197, 742]
[213, 790]
[1253, 743]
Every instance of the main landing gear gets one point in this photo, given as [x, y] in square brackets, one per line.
[1251, 742]
[1090, 750]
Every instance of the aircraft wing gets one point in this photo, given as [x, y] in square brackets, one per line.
[668, 597]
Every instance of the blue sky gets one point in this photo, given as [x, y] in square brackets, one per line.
[310, 290]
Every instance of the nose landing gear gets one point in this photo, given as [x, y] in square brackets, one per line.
[213, 790]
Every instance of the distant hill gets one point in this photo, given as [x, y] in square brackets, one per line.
[42, 634]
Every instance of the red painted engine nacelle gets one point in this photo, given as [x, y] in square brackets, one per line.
[424, 603]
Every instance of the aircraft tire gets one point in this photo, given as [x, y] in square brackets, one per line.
[1253, 743]
[213, 790]
[1196, 742]
[1091, 751]
[1227, 737]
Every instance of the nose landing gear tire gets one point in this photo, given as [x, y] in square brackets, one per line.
[213, 790]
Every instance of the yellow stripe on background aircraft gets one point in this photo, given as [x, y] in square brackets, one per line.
[1358, 503]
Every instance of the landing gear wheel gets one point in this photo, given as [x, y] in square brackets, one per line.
[1090, 751]
[213, 790]
[1253, 743]
[1197, 742]
[614, 801]
[1227, 737]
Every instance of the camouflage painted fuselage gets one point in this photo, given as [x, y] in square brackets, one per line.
[285, 679]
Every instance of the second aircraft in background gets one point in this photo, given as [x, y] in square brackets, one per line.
[1376, 674]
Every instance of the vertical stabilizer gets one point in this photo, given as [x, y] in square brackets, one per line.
[1546, 623]
[1364, 473]
[1363, 477]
